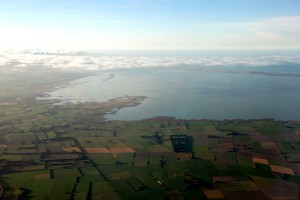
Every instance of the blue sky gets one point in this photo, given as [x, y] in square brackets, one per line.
[149, 24]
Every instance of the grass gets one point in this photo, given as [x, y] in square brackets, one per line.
[39, 190]
[292, 178]
[135, 183]
[255, 147]
[111, 142]
[160, 148]
[118, 175]
[288, 146]
[268, 128]
[140, 162]
[89, 171]
[176, 183]
[193, 195]
[17, 137]
[256, 172]
[122, 186]
[230, 155]
[28, 178]
[102, 159]
[102, 186]
[245, 162]
[54, 147]
[66, 173]
[90, 142]
[262, 167]
[82, 187]
[91, 179]
[107, 195]
[12, 157]
[134, 143]
[125, 157]
[237, 186]
[241, 138]
[59, 196]
[63, 186]
[82, 133]
[80, 196]
[146, 194]
[51, 135]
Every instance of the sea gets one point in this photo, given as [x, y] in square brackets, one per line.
[197, 86]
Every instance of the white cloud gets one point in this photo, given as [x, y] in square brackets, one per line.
[279, 32]
[275, 28]
[94, 61]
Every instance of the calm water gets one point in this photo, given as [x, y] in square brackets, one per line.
[191, 94]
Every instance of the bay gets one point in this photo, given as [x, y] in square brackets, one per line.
[190, 94]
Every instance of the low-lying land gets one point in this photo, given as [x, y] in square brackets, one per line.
[68, 151]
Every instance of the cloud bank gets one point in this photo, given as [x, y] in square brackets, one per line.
[95, 61]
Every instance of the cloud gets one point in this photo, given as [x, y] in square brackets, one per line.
[95, 61]
[279, 32]
[275, 28]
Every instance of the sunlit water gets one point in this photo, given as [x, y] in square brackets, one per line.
[190, 94]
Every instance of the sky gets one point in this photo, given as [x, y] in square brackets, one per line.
[149, 24]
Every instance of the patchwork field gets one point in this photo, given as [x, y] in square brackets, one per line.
[225, 164]
[53, 151]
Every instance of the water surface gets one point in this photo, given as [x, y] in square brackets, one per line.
[190, 94]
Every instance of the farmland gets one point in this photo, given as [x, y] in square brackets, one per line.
[69, 151]
[214, 165]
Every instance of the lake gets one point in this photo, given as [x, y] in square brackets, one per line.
[190, 93]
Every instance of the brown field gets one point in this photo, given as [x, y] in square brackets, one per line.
[283, 170]
[160, 154]
[222, 178]
[71, 149]
[41, 136]
[61, 157]
[37, 117]
[159, 148]
[245, 195]
[225, 140]
[258, 155]
[213, 193]
[227, 145]
[260, 160]
[106, 195]
[261, 138]
[121, 150]
[271, 151]
[184, 155]
[140, 162]
[1, 190]
[279, 189]
[219, 150]
[230, 186]
[42, 176]
[118, 175]
[180, 127]
[97, 150]
[33, 167]
[269, 146]
[286, 137]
